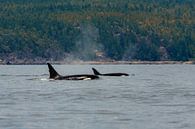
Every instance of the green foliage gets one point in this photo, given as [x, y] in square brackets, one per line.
[124, 30]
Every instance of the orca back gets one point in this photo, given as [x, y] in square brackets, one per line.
[109, 74]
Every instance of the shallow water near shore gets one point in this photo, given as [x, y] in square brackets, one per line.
[152, 97]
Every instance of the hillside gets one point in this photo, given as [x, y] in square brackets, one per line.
[97, 30]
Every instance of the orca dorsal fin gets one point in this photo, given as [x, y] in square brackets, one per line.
[52, 72]
[96, 72]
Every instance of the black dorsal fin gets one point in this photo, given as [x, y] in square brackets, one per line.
[52, 72]
[96, 72]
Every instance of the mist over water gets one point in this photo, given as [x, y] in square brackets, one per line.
[87, 44]
[152, 97]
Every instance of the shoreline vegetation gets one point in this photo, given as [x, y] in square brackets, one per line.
[37, 31]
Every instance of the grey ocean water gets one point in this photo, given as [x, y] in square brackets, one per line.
[152, 97]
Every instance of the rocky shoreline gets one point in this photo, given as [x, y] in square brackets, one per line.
[139, 62]
[42, 62]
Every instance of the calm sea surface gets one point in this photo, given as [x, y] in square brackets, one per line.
[152, 97]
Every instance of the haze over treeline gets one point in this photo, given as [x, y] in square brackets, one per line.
[97, 29]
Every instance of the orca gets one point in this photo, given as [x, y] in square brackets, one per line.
[54, 75]
[109, 74]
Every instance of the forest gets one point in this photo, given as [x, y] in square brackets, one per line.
[97, 30]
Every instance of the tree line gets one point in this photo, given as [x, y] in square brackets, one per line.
[98, 29]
